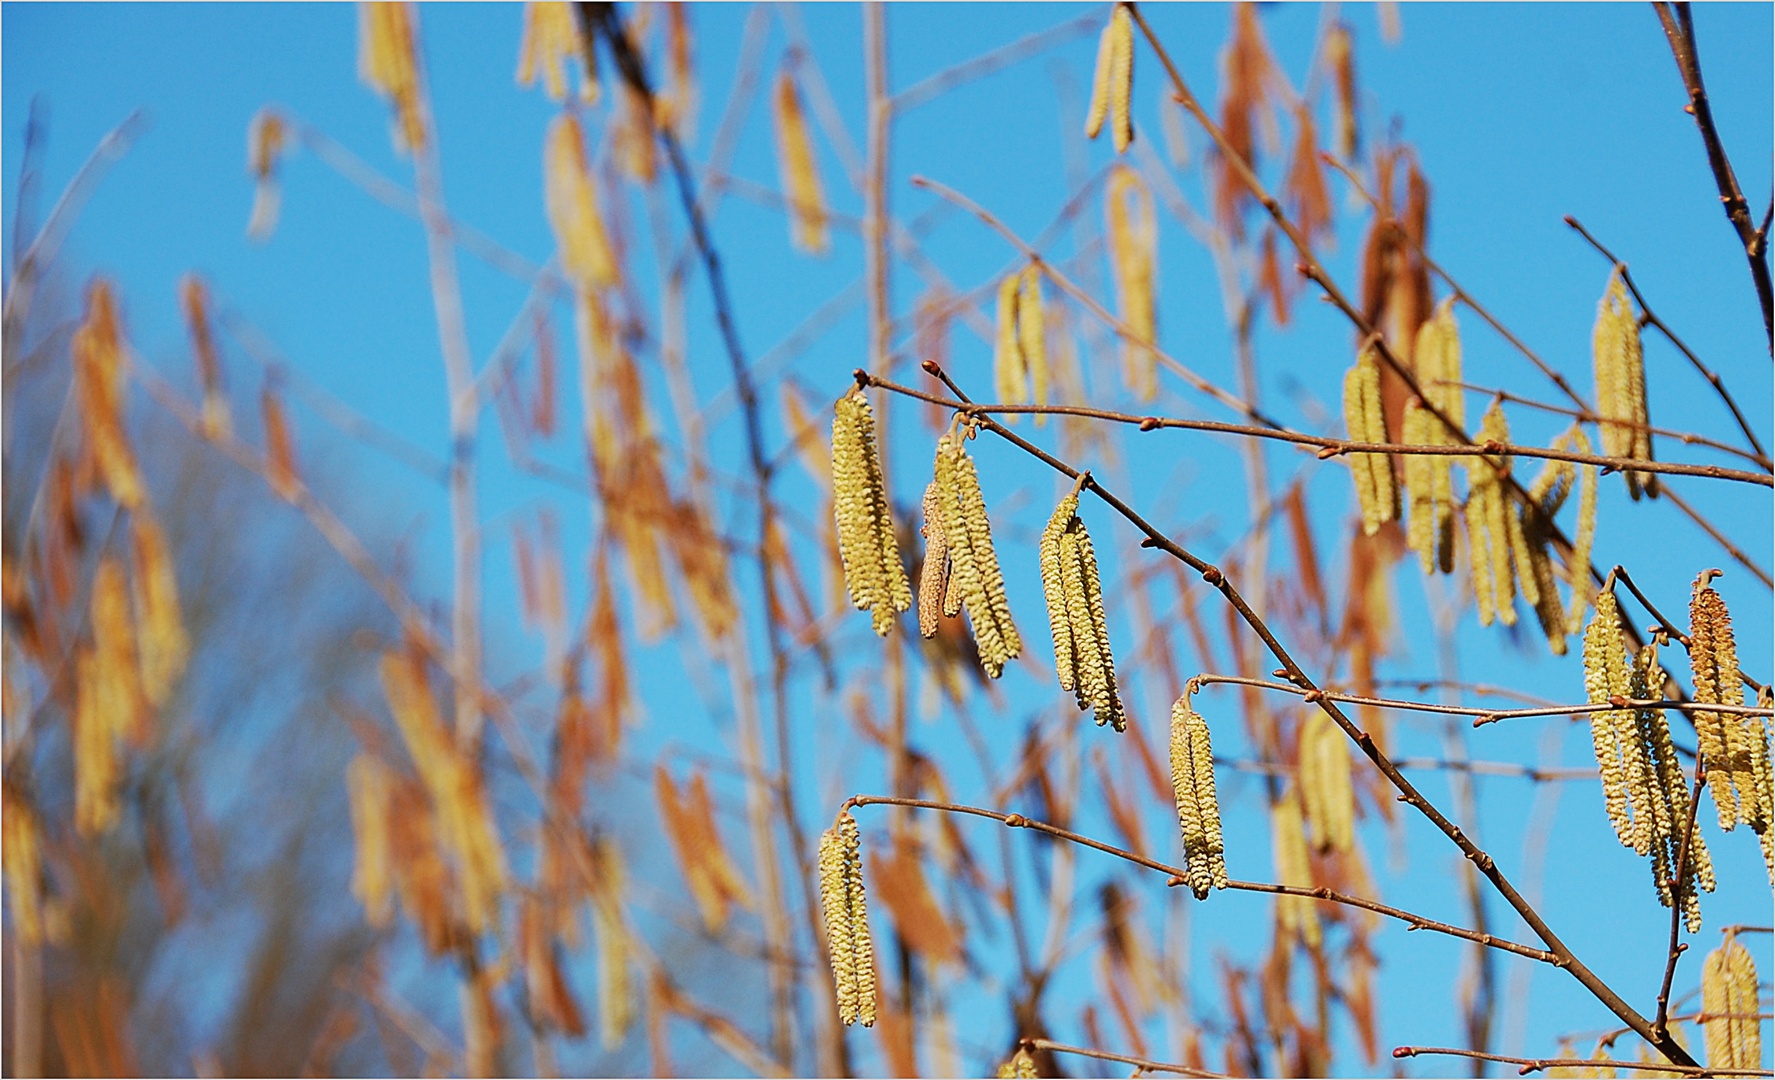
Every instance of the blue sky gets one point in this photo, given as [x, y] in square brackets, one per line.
[1520, 115]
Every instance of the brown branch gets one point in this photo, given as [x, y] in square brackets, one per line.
[1529, 1065]
[1408, 792]
[1176, 875]
[1661, 1021]
[1104, 1055]
[1712, 377]
[1583, 413]
[1679, 29]
[1476, 768]
[1738, 556]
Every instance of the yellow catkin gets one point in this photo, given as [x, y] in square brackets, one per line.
[1121, 77]
[1584, 539]
[388, 61]
[1489, 526]
[1365, 421]
[1019, 1066]
[194, 299]
[1074, 593]
[1723, 738]
[616, 1010]
[370, 786]
[1605, 676]
[1729, 992]
[550, 46]
[933, 576]
[1426, 514]
[866, 538]
[1054, 590]
[160, 629]
[974, 568]
[1327, 792]
[1100, 80]
[844, 909]
[1295, 914]
[100, 378]
[1437, 355]
[1032, 333]
[1198, 807]
[266, 139]
[22, 859]
[571, 195]
[1010, 373]
[1133, 251]
[801, 180]
[1670, 797]
[1621, 384]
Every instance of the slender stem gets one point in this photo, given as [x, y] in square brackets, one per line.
[1712, 377]
[1688, 438]
[1408, 792]
[1177, 876]
[1661, 1021]
[1738, 556]
[934, 86]
[1679, 29]
[1104, 1055]
[1529, 1065]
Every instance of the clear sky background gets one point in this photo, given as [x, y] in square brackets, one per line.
[1520, 114]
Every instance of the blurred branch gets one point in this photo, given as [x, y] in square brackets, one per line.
[1140, 1064]
[1679, 29]
[1530, 1065]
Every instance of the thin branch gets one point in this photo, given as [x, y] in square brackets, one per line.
[998, 59]
[1661, 1022]
[1688, 65]
[1712, 377]
[1104, 1055]
[1530, 1065]
[1409, 793]
[1738, 556]
[1583, 413]
[1176, 875]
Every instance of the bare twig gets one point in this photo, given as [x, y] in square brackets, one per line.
[1661, 1021]
[1176, 876]
[1679, 29]
[1530, 1065]
[1005, 56]
[1583, 413]
[1737, 554]
[1141, 1064]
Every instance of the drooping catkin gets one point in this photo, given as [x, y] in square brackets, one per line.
[1327, 793]
[1133, 254]
[1112, 84]
[1366, 422]
[933, 575]
[265, 147]
[1010, 373]
[1488, 526]
[370, 787]
[1729, 1000]
[974, 571]
[161, 642]
[843, 907]
[1621, 384]
[1074, 594]
[1670, 797]
[801, 179]
[388, 61]
[571, 195]
[866, 539]
[1032, 334]
[1429, 496]
[1605, 676]
[1295, 915]
[100, 380]
[1198, 807]
[1584, 539]
[1723, 738]
[21, 857]
[550, 46]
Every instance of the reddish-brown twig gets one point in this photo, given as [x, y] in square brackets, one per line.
[1530, 1065]
[1104, 1055]
[1661, 1021]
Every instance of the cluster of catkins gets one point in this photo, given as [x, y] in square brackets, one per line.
[844, 906]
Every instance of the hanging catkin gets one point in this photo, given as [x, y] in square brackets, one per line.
[1488, 525]
[1729, 992]
[1366, 422]
[1621, 384]
[1032, 335]
[1670, 797]
[866, 539]
[1010, 374]
[1198, 808]
[1584, 539]
[973, 565]
[1112, 85]
[1724, 738]
[933, 576]
[844, 907]
[1613, 732]
[801, 179]
[1074, 594]
[1295, 915]
[1429, 496]
[1327, 794]
[1133, 251]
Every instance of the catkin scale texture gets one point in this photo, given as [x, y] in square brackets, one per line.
[844, 910]
[1729, 992]
[1198, 807]
[1621, 384]
[866, 539]
[1366, 422]
[974, 569]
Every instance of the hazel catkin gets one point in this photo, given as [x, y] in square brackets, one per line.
[866, 539]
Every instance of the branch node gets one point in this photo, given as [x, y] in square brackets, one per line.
[1213, 576]
[1149, 423]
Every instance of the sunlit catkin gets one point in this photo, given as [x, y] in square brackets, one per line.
[100, 379]
[1621, 384]
[974, 569]
[550, 46]
[1605, 676]
[370, 786]
[1010, 373]
[266, 138]
[933, 575]
[1112, 84]
[1198, 807]
[1074, 594]
[1584, 538]
[1429, 496]
[1032, 334]
[571, 195]
[1730, 1003]
[1669, 797]
[866, 539]
[23, 864]
[843, 906]
[162, 645]
[1366, 422]
[1327, 793]
[795, 158]
[1723, 738]
[388, 61]
[1133, 253]
[1489, 526]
